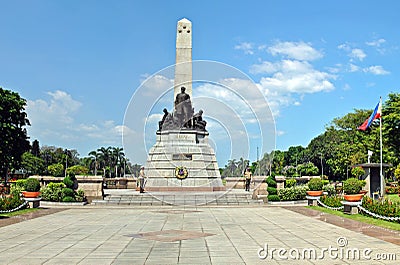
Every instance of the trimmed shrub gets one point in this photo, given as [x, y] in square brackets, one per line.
[68, 199]
[52, 192]
[272, 191]
[353, 185]
[293, 193]
[290, 183]
[69, 183]
[67, 192]
[273, 198]
[315, 184]
[32, 184]
[271, 182]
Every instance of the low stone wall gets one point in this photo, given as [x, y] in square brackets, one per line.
[120, 183]
[234, 183]
[91, 185]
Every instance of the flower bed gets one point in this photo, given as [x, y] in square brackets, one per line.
[332, 201]
[382, 207]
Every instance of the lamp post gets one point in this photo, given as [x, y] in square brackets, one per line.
[322, 168]
[66, 162]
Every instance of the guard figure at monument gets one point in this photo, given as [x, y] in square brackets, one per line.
[142, 180]
[247, 177]
[183, 109]
[161, 123]
[198, 122]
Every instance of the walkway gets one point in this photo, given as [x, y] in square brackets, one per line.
[182, 235]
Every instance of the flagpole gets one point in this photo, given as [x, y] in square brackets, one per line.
[381, 165]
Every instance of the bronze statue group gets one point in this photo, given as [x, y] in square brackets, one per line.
[183, 116]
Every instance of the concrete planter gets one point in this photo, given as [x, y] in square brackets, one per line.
[31, 194]
[353, 197]
[314, 193]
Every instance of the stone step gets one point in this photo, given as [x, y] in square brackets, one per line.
[146, 199]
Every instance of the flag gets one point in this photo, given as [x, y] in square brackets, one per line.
[375, 115]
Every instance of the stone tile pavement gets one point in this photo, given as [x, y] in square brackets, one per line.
[186, 235]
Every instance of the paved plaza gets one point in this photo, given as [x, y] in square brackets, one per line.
[186, 235]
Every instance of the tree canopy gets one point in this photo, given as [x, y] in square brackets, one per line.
[13, 136]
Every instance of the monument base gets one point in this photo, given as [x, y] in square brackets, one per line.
[186, 149]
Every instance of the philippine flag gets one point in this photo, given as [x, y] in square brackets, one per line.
[375, 115]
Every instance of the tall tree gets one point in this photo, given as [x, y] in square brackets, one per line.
[33, 164]
[35, 148]
[391, 126]
[14, 140]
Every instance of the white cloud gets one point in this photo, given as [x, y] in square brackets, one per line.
[156, 85]
[279, 133]
[265, 67]
[246, 47]
[376, 43]
[296, 77]
[357, 54]
[295, 50]
[354, 68]
[284, 81]
[353, 53]
[344, 47]
[59, 121]
[59, 110]
[376, 70]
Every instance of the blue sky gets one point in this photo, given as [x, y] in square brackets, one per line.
[79, 62]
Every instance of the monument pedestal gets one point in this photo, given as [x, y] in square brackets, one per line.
[184, 148]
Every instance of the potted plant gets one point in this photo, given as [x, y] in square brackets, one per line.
[352, 188]
[31, 188]
[358, 172]
[315, 186]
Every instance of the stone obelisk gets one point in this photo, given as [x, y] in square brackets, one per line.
[182, 158]
[183, 67]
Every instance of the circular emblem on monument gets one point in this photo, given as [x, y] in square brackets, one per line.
[181, 172]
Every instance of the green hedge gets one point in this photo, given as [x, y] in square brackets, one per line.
[293, 193]
[272, 191]
[271, 182]
[273, 198]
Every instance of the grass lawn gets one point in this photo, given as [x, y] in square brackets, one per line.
[19, 212]
[360, 218]
[394, 197]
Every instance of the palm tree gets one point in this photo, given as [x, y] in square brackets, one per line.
[94, 160]
[86, 162]
[104, 156]
[117, 157]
